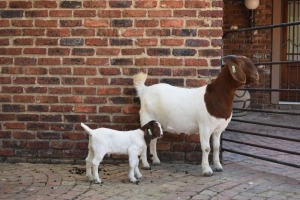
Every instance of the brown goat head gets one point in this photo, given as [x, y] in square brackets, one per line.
[152, 130]
[241, 69]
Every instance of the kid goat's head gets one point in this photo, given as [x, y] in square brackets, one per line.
[241, 69]
[152, 130]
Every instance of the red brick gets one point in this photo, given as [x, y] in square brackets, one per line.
[110, 109]
[73, 136]
[20, 4]
[146, 4]
[5, 98]
[6, 152]
[10, 51]
[134, 13]
[7, 117]
[138, 51]
[34, 32]
[97, 81]
[147, 23]
[61, 144]
[96, 23]
[23, 135]
[5, 134]
[23, 41]
[4, 23]
[97, 61]
[36, 51]
[163, 146]
[60, 71]
[71, 99]
[38, 144]
[73, 81]
[196, 83]
[171, 61]
[12, 89]
[46, 41]
[184, 147]
[109, 13]
[85, 13]
[85, 109]
[133, 33]
[84, 91]
[45, 4]
[125, 119]
[108, 32]
[109, 71]
[131, 109]
[59, 90]
[23, 99]
[22, 23]
[14, 125]
[36, 90]
[196, 62]
[147, 42]
[173, 137]
[109, 91]
[5, 80]
[94, 4]
[160, 13]
[85, 71]
[36, 13]
[47, 99]
[60, 13]
[172, 23]
[171, 4]
[95, 100]
[192, 138]
[61, 108]
[146, 61]
[96, 42]
[58, 32]
[108, 51]
[46, 23]
[172, 42]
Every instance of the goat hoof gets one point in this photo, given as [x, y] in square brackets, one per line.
[207, 174]
[219, 169]
[156, 163]
[146, 168]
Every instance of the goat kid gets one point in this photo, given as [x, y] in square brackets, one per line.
[206, 110]
[133, 143]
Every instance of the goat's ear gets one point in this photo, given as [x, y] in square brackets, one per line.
[236, 72]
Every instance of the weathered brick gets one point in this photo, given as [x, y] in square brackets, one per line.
[38, 108]
[71, 42]
[73, 136]
[84, 90]
[51, 118]
[58, 32]
[62, 127]
[121, 42]
[71, 4]
[73, 81]
[14, 125]
[12, 89]
[60, 71]
[160, 13]
[120, 100]
[85, 71]
[184, 72]
[96, 23]
[108, 51]
[158, 32]
[196, 62]
[36, 90]
[5, 61]
[38, 144]
[147, 42]
[171, 61]
[46, 23]
[11, 13]
[109, 13]
[58, 51]
[137, 51]
[172, 42]
[158, 52]
[28, 117]
[70, 23]
[36, 13]
[48, 80]
[85, 109]
[7, 117]
[184, 52]
[97, 61]
[75, 118]
[122, 23]
[95, 100]
[174, 23]
[46, 41]
[120, 4]
[10, 32]
[49, 61]
[108, 32]
[159, 71]
[73, 61]
[84, 13]
[83, 51]
[48, 135]
[94, 4]
[23, 41]
[23, 135]
[122, 61]
[184, 32]
[197, 43]
[34, 32]
[125, 119]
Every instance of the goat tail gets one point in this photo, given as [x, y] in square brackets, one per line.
[139, 82]
[87, 129]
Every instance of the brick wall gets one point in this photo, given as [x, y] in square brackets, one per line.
[66, 62]
[259, 49]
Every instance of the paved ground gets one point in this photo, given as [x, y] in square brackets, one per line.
[242, 178]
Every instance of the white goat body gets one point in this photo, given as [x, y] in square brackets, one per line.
[183, 110]
[104, 141]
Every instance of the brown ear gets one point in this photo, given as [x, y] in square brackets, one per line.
[236, 72]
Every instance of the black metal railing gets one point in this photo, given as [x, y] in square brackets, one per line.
[271, 124]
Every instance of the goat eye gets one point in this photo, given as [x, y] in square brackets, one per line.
[150, 132]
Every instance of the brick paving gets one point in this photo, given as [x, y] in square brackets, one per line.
[242, 178]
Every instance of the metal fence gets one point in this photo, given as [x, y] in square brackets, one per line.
[256, 132]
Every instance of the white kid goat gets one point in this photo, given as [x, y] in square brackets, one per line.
[206, 110]
[133, 143]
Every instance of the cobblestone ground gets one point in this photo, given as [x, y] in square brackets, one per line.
[168, 181]
[242, 178]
